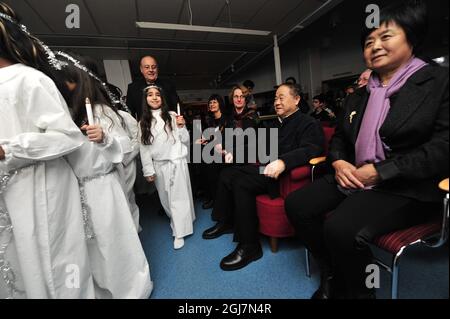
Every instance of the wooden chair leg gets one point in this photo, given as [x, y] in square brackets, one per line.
[274, 244]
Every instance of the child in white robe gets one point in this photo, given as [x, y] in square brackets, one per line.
[127, 170]
[164, 149]
[119, 265]
[42, 249]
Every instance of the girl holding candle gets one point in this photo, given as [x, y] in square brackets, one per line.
[164, 150]
[118, 262]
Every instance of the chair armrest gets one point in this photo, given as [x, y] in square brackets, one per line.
[444, 185]
[317, 160]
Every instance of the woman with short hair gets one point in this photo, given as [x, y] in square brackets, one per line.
[390, 150]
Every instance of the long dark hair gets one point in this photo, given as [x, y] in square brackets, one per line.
[18, 47]
[86, 87]
[147, 117]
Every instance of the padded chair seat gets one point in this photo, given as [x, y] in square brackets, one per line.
[272, 212]
[394, 241]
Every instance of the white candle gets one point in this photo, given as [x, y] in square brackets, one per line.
[90, 116]
[178, 109]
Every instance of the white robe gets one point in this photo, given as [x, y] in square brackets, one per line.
[127, 171]
[118, 262]
[48, 253]
[166, 157]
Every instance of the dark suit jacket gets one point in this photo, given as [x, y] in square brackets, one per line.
[300, 138]
[136, 90]
[416, 130]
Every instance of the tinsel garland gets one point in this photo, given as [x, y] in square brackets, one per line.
[6, 230]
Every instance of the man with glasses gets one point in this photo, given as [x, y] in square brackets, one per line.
[150, 71]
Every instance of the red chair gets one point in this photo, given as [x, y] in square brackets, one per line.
[272, 217]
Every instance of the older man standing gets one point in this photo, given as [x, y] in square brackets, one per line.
[149, 70]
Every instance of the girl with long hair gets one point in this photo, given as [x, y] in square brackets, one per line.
[164, 150]
[118, 262]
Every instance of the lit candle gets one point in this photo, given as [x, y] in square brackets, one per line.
[90, 116]
[178, 109]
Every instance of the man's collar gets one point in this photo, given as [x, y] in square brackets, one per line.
[284, 119]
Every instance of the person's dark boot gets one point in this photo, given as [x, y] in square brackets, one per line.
[328, 282]
[325, 290]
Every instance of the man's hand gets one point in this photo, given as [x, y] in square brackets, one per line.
[150, 179]
[274, 169]
[367, 175]
[93, 132]
[2, 153]
[228, 158]
[345, 175]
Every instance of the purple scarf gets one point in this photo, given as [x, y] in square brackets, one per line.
[369, 148]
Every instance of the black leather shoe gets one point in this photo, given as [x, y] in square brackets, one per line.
[325, 289]
[217, 230]
[209, 204]
[241, 257]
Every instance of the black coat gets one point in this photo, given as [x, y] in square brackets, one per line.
[416, 131]
[136, 90]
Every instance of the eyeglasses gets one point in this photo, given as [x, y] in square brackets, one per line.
[239, 97]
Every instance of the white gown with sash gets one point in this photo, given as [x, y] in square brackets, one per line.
[118, 262]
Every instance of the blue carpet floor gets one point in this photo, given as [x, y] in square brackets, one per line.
[193, 272]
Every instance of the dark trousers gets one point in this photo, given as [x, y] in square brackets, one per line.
[341, 239]
[210, 177]
[235, 201]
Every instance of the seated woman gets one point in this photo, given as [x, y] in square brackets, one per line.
[389, 152]
[218, 121]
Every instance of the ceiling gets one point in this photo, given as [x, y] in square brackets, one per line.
[193, 59]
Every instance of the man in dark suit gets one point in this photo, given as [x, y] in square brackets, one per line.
[300, 138]
[149, 70]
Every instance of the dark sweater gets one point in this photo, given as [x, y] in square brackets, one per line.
[300, 138]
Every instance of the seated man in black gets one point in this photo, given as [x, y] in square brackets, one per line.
[300, 138]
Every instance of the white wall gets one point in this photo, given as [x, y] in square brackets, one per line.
[118, 73]
[343, 62]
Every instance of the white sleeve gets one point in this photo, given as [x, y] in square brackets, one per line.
[183, 133]
[56, 134]
[146, 158]
[116, 143]
[132, 130]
